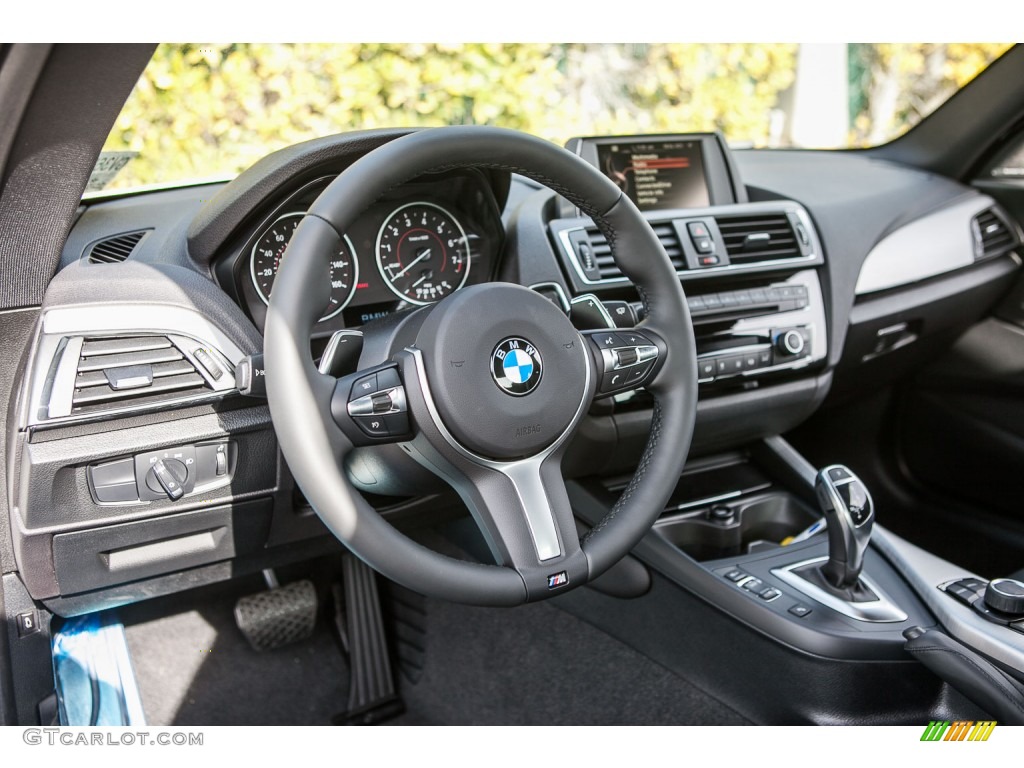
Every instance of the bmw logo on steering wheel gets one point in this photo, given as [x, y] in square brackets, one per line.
[516, 366]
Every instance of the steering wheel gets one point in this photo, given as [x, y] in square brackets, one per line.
[491, 390]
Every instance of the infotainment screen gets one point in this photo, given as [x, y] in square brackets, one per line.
[659, 174]
[666, 171]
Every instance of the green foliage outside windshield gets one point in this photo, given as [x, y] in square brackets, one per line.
[212, 110]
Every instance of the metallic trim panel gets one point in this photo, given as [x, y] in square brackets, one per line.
[883, 610]
[524, 474]
[931, 245]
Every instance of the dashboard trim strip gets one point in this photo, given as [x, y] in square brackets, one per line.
[932, 245]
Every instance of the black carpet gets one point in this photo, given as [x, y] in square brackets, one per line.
[531, 665]
[195, 668]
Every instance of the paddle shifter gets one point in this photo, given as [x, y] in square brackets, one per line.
[850, 513]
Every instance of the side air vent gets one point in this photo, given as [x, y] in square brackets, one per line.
[992, 235]
[601, 253]
[134, 370]
[115, 249]
[767, 237]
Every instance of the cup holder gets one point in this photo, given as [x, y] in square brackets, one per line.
[739, 528]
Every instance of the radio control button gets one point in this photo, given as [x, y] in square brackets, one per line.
[750, 360]
[729, 364]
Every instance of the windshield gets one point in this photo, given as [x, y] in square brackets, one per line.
[204, 111]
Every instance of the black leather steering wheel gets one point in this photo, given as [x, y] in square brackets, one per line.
[494, 385]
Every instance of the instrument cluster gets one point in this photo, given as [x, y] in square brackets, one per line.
[420, 243]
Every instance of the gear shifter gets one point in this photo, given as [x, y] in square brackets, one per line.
[836, 581]
[850, 513]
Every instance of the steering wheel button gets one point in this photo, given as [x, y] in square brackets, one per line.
[638, 373]
[388, 379]
[381, 402]
[647, 352]
[625, 357]
[364, 386]
[633, 339]
[361, 406]
[613, 380]
[374, 426]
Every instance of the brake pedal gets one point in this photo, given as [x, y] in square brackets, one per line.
[373, 696]
[279, 616]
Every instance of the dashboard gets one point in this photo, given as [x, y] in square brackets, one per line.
[805, 273]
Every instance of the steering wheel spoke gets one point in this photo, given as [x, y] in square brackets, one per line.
[520, 506]
[627, 358]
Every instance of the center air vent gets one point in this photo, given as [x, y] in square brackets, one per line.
[595, 255]
[767, 237]
[134, 370]
[992, 235]
[114, 250]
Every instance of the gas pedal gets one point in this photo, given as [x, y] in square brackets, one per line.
[373, 696]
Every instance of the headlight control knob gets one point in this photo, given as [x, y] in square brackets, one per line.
[1006, 595]
[168, 476]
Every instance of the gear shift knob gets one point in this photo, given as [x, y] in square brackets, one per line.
[850, 513]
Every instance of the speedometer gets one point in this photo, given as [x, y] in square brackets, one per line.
[266, 261]
[422, 253]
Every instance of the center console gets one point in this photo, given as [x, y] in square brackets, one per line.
[760, 537]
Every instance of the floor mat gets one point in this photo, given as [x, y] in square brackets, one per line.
[530, 665]
[195, 668]
[538, 665]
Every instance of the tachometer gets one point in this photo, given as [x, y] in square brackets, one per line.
[266, 261]
[422, 253]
